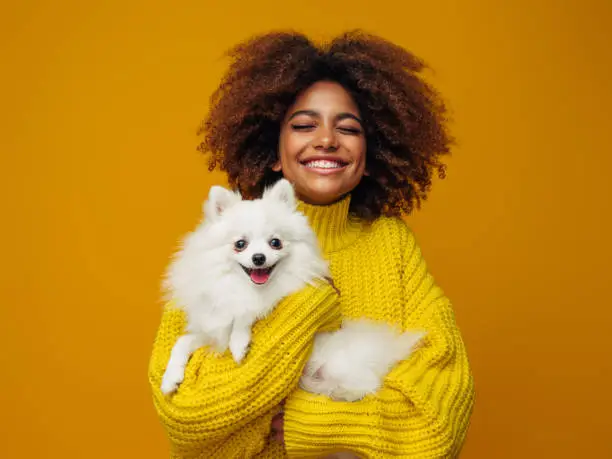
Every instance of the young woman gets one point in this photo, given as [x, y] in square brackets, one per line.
[360, 134]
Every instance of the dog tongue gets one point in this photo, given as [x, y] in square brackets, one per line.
[260, 276]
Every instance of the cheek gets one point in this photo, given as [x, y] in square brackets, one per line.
[358, 148]
[290, 145]
[244, 257]
[240, 257]
[274, 256]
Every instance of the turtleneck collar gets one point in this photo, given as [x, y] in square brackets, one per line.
[334, 227]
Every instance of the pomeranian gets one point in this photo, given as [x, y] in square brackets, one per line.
[239, 262]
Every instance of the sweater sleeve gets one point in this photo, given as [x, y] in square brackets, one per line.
[222, 409]
[424, 406]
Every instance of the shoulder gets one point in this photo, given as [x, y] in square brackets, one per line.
[393, 234]
[392, 229]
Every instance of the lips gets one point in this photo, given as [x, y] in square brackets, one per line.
[326, 162]
[258, 276]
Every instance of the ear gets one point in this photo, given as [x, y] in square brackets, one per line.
[219, 200]
[277, 167]
[281, 191]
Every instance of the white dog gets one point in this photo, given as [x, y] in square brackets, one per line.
[235, 267]
[238, 264]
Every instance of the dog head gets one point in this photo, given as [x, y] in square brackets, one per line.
[263, 237]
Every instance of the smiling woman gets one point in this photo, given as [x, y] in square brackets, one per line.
[359, 134]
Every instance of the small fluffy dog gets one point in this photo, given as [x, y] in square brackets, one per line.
[238, 264]
[235, 267]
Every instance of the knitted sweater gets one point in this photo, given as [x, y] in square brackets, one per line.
[224, 410]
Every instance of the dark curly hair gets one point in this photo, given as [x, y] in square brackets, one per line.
[404, 117]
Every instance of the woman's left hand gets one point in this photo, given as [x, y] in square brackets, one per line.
[278, 433]
[278, 425]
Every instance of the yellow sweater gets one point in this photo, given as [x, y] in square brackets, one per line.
[222, 410]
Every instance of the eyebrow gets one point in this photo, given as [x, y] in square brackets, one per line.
[339, 116]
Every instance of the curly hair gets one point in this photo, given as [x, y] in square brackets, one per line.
[404, 117]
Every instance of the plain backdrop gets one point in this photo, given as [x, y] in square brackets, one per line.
[100, 103]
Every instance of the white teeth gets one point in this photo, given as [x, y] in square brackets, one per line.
[323, 164]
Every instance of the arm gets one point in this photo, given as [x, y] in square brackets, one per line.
[217, 398]
[424, 406]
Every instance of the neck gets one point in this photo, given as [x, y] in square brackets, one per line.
[334, 227]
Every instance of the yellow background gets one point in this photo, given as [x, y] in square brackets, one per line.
[100, 104]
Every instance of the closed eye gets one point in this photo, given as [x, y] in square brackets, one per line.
[302, 127]
[352, 131]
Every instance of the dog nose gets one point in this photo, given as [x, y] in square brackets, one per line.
[259, 259]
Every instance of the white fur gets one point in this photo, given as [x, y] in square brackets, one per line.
[206, 279]
[352, 362]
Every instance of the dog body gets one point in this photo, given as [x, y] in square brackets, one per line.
[352, 362]
[235, 267]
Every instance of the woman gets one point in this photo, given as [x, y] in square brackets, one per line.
[359, 134]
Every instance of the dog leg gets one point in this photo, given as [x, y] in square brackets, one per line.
[220, 337]
[240, 338]
[182, 350]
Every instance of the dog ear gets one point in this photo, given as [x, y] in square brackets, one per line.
[219, 200]
[281, 191]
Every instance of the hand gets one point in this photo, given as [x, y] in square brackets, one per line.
[278, 426]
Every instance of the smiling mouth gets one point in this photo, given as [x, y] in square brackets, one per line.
[258, 276]
[324, 164]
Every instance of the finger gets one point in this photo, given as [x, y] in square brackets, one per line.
[278, 422]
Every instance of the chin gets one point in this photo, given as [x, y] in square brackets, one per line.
[323, 197]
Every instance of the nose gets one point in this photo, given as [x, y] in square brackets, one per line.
[326, 140]
[259, 259]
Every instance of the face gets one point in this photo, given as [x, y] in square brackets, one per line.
[257, 254]
[322, 144]
[259, 233]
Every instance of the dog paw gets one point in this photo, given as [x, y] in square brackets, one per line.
[173, 377]
[238, 351]
[345, 395]
[239, 345]
[364, 382]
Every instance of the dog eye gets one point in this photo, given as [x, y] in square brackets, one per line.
[240, 245]
[276, 244]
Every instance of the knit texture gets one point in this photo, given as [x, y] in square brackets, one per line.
[224, 410]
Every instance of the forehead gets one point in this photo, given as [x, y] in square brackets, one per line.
[254, 219]
[325, 96]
